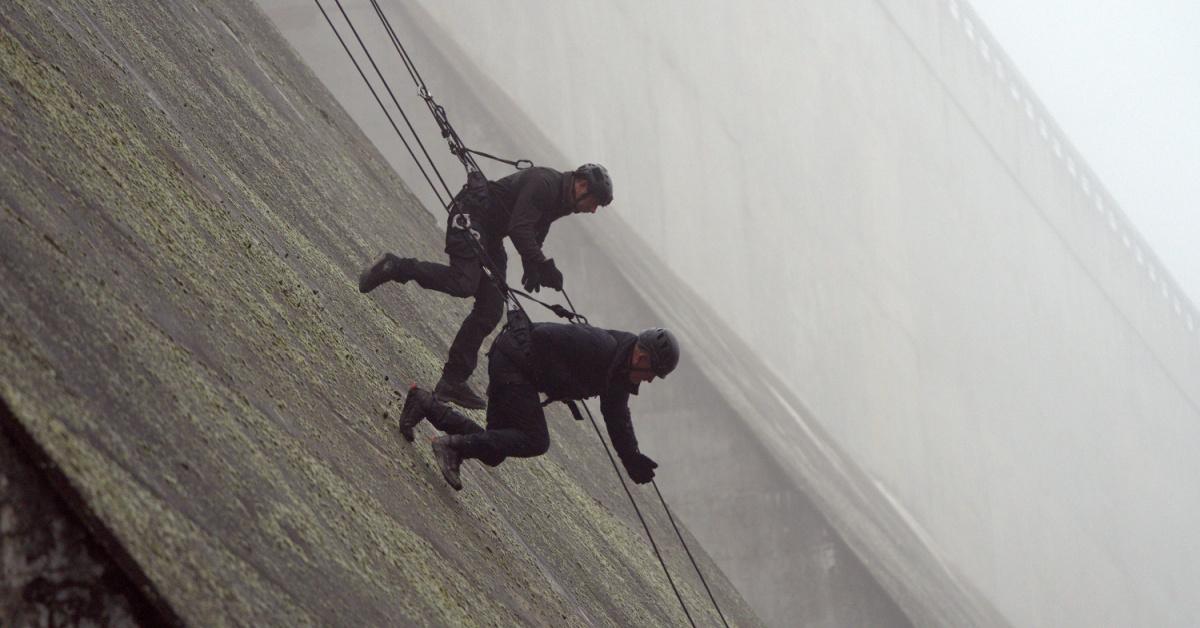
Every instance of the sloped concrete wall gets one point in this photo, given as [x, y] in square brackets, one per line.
[875, 201]
[184, 210]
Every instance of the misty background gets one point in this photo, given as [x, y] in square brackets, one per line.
[1123, 80]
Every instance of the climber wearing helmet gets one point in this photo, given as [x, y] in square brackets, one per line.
[566, 362]
[520, 206]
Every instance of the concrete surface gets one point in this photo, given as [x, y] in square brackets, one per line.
[184, 210]
[876, 204]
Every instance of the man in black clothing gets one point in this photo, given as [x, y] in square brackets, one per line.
[566, 362]
[520, 206]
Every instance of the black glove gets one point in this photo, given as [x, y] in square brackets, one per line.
[551, 277]
[541, 274]
[640, 467]
[532, 278]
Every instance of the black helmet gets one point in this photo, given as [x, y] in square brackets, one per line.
[599, 183]
[663, 349]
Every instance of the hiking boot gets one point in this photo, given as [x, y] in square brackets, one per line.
[448, 459]
[459, 393]
[417, 406]
[385, 268]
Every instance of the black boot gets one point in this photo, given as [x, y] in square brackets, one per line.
[385, 268]
[448, 459]
[459, 393]
[417, 406]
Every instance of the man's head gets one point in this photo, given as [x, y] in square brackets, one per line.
[592, 188]
[656, 354]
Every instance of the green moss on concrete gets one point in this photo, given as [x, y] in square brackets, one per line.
[183, 337]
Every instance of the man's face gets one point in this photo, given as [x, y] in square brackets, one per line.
[584, 203]
[639, 367]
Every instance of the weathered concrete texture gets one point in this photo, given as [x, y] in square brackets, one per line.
[868, 194]
[52, 573]
[183, 210]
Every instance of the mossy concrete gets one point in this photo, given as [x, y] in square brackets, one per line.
[183, 210]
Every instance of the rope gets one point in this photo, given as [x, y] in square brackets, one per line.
[439, 113]
[400, 50]
[662, 499]
[689, 553]
[559, 310]
[459, 149]
[639, 513]
[519, 164]
[457, 146]
[489, 266]
[380, 101]
[394, 100]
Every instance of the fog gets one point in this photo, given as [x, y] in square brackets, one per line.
[871, 198]
[1121, 78]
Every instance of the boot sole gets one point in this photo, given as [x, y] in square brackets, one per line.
[451, 478]
[462, 403]
[410, 405]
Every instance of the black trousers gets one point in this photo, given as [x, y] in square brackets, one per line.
[516, 424]
[464, 277]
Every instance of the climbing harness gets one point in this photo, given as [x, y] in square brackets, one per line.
[474, 195]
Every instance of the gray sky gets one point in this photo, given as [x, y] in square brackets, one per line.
[1123, 81]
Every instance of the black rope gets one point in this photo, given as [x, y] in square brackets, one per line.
[559, 310]
[394, 100]
[519, 164]
[639, 513]
[689, 553]
[459, 149]
[569, 303]
[439, 114]
[400, 49]
[457, 146]
[386, 113]
[488, 264]
[661, 499]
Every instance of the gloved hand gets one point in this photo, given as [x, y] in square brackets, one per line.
[531, 279]
[551, 277]
[640, 467]
[542, 274]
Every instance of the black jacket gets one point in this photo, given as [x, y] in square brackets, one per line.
[580, 361]
[522, 206]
